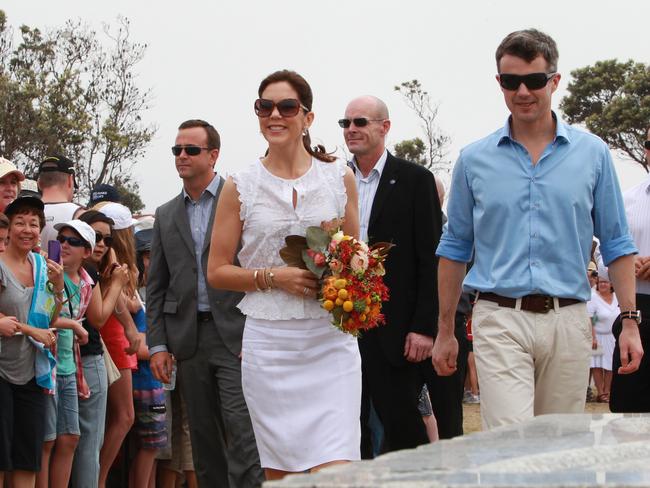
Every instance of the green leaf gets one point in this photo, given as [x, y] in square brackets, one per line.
[317, 239]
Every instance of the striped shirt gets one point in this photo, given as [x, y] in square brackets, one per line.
[367, 188]
[198, 216]
[637, 211]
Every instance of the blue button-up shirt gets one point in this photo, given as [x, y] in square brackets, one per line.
[367, 188]
[198, 216]
[531, 226]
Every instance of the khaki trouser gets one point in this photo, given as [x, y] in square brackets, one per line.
[530, 363]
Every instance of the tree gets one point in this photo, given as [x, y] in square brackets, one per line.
[432, 151]
[413, 150]
[129, 194]
[612, 100]
[69, 91]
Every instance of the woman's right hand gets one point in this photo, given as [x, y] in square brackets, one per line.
[45, 336]
[9, 326]
[300, 282]
[120, 274]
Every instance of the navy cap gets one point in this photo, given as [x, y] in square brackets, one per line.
[104, 193]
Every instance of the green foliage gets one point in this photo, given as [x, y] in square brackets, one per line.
[612, 100]
[413, 150]
[72, 91]
[434, 154]
[129, 194]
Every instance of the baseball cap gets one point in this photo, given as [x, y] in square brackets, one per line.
[58, 163]
[143, 240]
[86, 232]
[120, 214]
[104, 193]
[7, 167]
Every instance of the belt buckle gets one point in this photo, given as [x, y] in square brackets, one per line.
[548, 304]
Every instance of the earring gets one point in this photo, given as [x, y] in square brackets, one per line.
[305, 132]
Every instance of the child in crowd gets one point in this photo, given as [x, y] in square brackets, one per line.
[148, 394]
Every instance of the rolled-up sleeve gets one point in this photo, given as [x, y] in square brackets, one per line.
[610, 223]
[457, 241]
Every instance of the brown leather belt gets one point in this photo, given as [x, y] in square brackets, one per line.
[529, 303]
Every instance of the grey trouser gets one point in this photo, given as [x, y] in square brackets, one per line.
[92, 415]
[223, 443]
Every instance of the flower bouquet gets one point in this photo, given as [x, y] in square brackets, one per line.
[352, 287]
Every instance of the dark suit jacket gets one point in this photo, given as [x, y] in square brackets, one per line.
[406, 211]
[172, 286]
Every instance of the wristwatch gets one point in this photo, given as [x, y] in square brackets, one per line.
[632, 314]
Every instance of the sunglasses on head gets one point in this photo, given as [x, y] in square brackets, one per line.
[289, 107]
[73, 241]
[108, 240]
[189, 150]
[359, 122]
[647, 145]
[533, 81]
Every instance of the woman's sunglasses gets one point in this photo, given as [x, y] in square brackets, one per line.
[108, 240]
[533, 81]
[73, 241]
[189, 150]
[647, 145]
[289, 107]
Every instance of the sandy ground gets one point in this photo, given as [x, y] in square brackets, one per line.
[472, 415]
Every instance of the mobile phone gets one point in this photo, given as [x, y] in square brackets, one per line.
[54, 251]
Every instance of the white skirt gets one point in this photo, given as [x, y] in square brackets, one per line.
[302, 383]
[606, 342]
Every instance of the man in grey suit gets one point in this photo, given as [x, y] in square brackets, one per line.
[200, 325]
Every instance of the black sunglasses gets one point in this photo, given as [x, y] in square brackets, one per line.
[189, 150]
[108, 240]
[359, 122]
[73, 241]
[289, 107]
[647, 144]
[533, 81]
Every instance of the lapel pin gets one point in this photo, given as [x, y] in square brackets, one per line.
[392, 182]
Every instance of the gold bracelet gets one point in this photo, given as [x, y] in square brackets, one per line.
[271, 276]
[257, 286]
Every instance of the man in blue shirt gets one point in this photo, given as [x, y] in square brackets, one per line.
[524, 203]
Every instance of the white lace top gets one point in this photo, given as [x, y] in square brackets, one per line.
[268, 215]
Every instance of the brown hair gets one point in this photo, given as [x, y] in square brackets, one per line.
[4, 221]
[306, 97]
[124, 247]
[49, 179]
[214, 141]
[528, 44]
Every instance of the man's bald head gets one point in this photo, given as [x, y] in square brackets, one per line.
[375, 107]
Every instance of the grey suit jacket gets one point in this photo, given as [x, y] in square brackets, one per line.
[172, 286]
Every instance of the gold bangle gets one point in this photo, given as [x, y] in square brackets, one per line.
[257, 286]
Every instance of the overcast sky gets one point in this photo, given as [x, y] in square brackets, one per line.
[206, 59]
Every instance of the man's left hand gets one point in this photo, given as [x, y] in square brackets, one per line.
[417, 347]
[630, 347]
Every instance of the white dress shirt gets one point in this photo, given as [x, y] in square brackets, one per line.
[637, 211]
[367, 188]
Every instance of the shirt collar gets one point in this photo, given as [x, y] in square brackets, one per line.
[379, 165]
[211, 188]
[561, 131]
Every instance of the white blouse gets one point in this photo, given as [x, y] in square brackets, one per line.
[268, 217]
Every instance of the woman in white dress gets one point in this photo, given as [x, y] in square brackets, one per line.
[603, 310]
[301, 377]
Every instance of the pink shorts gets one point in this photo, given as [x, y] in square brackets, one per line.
[113, 335]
